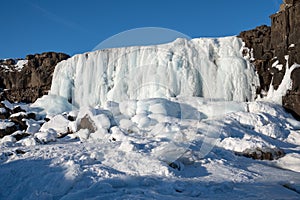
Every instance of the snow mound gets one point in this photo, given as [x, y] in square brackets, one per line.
[51, 105]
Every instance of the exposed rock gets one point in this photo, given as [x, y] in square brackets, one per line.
[258, 41]
[271, 44]
[18, 109]
[19, 135]
[87, 123]
[31, 115]
[33, 80]
[71, 118]
[263, 154]
[19, 120]
[9, 62]
[291, 101]
[4, 111]
[19, 151]
[7, 129]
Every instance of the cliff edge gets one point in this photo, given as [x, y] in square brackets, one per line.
[275, 46]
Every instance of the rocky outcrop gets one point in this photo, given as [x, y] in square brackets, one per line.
[271, 44]
[31, 81]
[259, 43]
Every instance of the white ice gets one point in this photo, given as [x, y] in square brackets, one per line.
[210, 68]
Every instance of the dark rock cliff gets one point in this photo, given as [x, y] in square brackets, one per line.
[30, 81]
[272, 44]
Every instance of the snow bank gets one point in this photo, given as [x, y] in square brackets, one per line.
[58, 123]
[290, 161]
[52, 105]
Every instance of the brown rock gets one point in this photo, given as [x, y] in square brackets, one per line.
[273, 43]
[18, 109]
[262, 154]
[87, 123]
[5, 113]
[19, 121]
[33, 81]
[20, 135]
[7, 131]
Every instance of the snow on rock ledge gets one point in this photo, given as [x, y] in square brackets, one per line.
[206, 67]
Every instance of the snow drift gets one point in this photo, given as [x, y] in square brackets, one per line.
[209, 68]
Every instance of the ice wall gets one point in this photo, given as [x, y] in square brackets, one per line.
[206, 67]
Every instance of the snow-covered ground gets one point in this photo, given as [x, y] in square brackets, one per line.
[185, 148]
[126, 124]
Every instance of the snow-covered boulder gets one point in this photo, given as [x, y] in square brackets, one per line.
[45, 137]
[58, 123]
[94, 119]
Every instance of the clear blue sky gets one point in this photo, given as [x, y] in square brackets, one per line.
[76, 26]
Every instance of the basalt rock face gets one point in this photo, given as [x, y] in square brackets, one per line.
[279, 43]
[31, 81]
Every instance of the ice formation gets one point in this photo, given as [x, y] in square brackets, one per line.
[205, 67]
[189, 142]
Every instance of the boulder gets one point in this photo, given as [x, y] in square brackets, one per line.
[87, 123]
[19, 135]
[19, 120]
[7, 128]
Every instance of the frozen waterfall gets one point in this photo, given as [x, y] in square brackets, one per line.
[206, 67]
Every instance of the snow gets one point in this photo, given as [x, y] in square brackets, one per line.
[19, 114]
[180, 138]
[5, 124]
[17, 67]
[277, 65]
[58, 123]
[8, 104]
[3, 110]
[175, 155]
[47, 136]
[51, 105]
[83, 134]
[29, 141]
[8, 139]
[286, 84]
[290, 161]
[100, 119]
[32, 126]
[20, 65]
